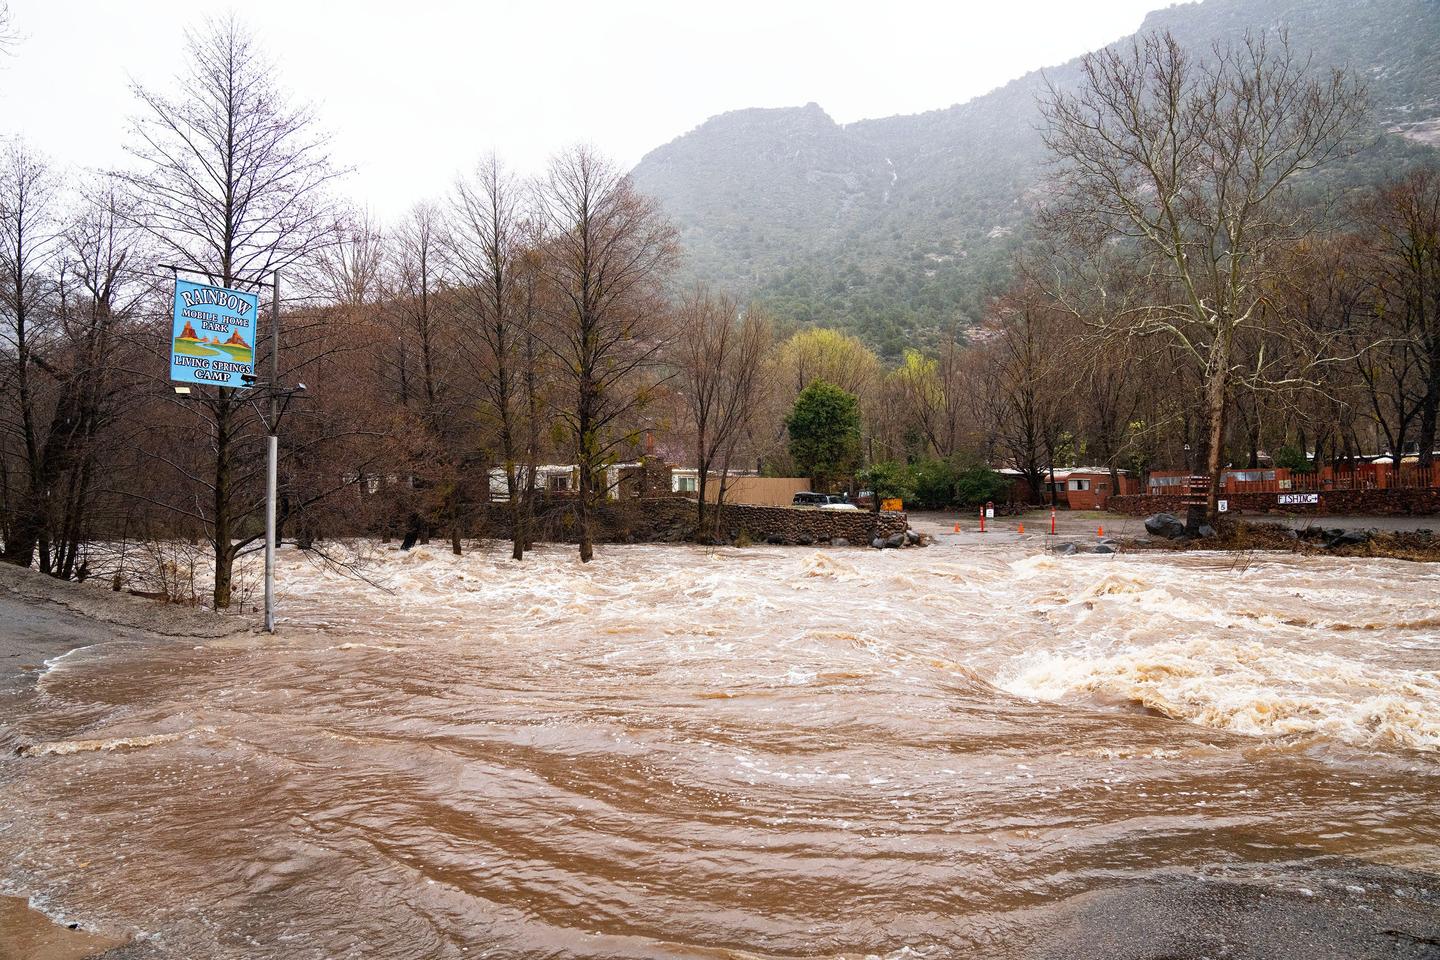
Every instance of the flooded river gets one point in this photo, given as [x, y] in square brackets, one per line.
[738, 753]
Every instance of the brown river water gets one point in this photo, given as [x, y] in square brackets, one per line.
[674, 752]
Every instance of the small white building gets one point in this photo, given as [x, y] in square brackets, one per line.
[558, 478]
[553, 478]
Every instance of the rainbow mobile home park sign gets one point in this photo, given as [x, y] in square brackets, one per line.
[213, 341]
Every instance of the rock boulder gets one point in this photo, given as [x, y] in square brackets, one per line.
[1347, 538]
[1165, 525]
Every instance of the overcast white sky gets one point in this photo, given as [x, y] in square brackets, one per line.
[415, 91]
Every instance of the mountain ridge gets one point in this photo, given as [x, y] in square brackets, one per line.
[899, 227]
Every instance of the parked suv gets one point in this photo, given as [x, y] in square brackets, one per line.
[825, 501]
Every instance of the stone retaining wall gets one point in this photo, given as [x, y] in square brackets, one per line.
[810, 525]
[1364, 503]
[673, 519]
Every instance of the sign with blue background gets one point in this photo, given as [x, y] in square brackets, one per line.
[214, 335]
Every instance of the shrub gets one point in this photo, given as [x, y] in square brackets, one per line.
[886, 480]
[940, 484]
[1292, 459]
[979, 484]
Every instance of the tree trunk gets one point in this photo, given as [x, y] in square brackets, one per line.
[414, 528]
[517, 510]
[718, 511]
[1215, 390]
[1428, 413]
[702, 480]
[588, 454]
[700, 490]
[587, 547]
[1107, 451]
[532, 436]
[25, 531]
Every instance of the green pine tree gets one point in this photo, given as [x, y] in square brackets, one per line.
[824, 428]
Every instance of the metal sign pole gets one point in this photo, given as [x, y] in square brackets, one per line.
[273, 445]
[272, 453]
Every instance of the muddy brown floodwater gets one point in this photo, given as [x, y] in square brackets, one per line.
[765, 752]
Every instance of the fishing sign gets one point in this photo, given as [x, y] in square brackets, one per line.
[214, 335]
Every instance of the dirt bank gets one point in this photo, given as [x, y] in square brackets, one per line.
[27, 934]
[101, 604]
[1245, 535]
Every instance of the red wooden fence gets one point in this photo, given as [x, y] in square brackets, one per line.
[1378, 476]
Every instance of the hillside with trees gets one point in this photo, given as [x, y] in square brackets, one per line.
[898, 229]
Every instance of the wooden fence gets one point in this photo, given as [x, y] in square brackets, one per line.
[1367, 477]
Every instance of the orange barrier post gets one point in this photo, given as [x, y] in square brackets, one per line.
[982, 519]
[1052, 520]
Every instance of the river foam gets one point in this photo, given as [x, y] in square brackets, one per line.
[62, 748]
[1250, 688]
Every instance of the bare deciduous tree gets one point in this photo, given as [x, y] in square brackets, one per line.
[934, 392]
[607, 253]
[230, 182]
[416, 313]
[1401, 225]
[1025, 384]
[485, 243]
[30, 235]
[1188, 162]
[8, 38]
[1096, 286]
[96, 369]
[718, 354]
[350, 271]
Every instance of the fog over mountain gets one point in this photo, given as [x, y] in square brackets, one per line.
[898, 227]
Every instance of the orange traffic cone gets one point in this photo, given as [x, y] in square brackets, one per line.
[1101, 531]
[1022, 528]
[957, 528]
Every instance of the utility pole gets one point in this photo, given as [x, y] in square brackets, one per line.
[272, 447]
